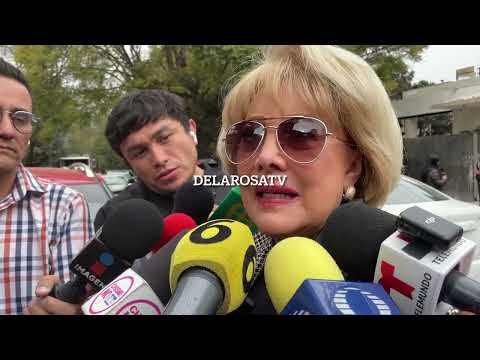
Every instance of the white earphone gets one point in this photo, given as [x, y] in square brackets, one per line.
[194, 136]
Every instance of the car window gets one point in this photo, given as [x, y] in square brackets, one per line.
[408, 192]
[95, 195]
[115, 180]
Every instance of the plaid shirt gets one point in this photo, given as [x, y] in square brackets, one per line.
[42, 226]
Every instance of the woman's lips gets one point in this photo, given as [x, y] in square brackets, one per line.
[269, 196]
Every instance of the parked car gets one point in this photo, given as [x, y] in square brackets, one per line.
[128, 175]
[410, 192]
[115, 182]
[95, 191]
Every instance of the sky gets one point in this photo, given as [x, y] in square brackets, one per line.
[440, 62]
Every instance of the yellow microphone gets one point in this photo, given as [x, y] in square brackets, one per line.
[211, 269]
[291, 262]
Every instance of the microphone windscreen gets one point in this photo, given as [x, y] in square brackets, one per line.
[194, 201]
[224, 247]
[172, 225]
[353, 234]
[156, 269]
[291, 262]
[133, 229]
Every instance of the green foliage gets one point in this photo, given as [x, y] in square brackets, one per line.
[389, 63]
[198, 73]
[75, 87]
[55, 103]
[421, 84]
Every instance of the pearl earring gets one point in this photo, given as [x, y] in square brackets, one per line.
[349, 194]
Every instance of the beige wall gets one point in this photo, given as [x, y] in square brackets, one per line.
[410, 128]
[466, 118]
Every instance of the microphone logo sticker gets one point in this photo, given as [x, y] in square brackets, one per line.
[104, 261]
[389, 281]
[354, 301]
[140, 307]
[111, 295]
[300, 312]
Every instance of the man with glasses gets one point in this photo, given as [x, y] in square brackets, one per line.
[42, 225]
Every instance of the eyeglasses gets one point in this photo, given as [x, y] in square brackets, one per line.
[22, 121]
[301, 138]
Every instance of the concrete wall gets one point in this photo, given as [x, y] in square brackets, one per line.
[457, 157]
[411, 128]
[466, 118]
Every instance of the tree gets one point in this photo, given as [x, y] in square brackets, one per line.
[46, 68]
[75, 87]
[421, 84]
[6, 52]
[199, 74]
[389, 62]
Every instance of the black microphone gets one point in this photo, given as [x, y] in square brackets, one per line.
[128, 234]
[366, 245]
[353, 234]
[194, 201]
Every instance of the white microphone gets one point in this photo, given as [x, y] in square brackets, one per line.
[416, 276]
[422, 266]
[128, 294]
[141, 290]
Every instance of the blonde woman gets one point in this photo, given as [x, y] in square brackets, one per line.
[320, 116]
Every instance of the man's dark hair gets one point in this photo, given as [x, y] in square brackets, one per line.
[11, 72]
[139, 109]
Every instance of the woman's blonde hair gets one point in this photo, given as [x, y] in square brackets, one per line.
[336, 82]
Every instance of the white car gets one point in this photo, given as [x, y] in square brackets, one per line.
[410, 192]
[116, 183]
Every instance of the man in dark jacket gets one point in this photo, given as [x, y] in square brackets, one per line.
[151, 131]
[433, 174]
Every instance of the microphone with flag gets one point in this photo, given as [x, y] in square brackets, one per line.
[232, 208]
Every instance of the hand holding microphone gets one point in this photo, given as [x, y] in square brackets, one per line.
[129, 233]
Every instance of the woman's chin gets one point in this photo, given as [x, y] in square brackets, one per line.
[278, 228]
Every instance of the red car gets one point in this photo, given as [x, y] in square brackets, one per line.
[93, 187]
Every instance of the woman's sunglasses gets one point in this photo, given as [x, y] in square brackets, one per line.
[301, 138]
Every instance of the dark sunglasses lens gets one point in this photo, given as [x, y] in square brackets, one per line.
[22, 120]
[242, 140]
[302, 138]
